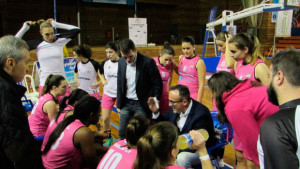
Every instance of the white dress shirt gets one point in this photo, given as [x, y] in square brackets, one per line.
[130, 78]
[182, 116]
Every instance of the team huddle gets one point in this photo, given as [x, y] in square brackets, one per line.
[259, 102]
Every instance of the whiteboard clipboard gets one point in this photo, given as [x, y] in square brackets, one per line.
[138, 31]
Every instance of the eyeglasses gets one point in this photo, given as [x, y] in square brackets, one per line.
[173, 102]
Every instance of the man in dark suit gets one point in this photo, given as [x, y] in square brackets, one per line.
[187, 114]
[138, 79]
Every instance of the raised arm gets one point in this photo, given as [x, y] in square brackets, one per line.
[230, 62]
[73, 30]
[24, 29]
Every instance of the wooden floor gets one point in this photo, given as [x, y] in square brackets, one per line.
[229, 156]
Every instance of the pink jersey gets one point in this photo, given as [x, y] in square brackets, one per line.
[54, 123]
[38, 119]
[188, 74]
[222, 65]
[246, 71]
[63, 153]
[246, 107]
[118, 157]
[166, 74]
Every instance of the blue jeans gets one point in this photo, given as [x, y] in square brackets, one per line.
[188, 160]
[131, 108]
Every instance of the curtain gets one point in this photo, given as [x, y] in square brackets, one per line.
[254, 21]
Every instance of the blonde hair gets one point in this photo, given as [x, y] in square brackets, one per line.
[45, 24]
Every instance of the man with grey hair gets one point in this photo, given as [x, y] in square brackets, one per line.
[17, 144]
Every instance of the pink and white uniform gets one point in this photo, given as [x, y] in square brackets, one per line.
[188, 74]
[166, 74]
[38, 119]
[63, 153]
[53, 124]
[119, 156]
[222, 66]
[246, 119]
[243, 72]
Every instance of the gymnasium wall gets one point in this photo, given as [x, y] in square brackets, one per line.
[165, 17]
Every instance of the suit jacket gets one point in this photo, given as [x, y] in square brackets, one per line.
[148, 81]
[198, 118]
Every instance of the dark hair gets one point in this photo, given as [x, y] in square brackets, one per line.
[135, 129]
[184, 92]
[223, 82]
[83, 50]
[288, 61]
[113, 46]
[84, 108]
[167, 49]
[243, 40]
[221, 36]
[156, 146]
[52, 80]
[188, 39]
[71, 99]
[126, 45]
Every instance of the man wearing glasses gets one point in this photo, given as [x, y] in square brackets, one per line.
[187, 114]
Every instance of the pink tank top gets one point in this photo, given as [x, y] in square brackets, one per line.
[63, 153]
[222, 66]
[165, 73]
[246, 71]
[118, 157]
[53, 124]
[188, 74]
[38, 119]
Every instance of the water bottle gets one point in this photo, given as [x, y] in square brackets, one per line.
[185, 140]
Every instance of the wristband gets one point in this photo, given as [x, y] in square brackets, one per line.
[203, 158]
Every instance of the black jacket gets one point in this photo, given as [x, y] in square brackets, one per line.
[148, 81]
[198, 118]
[18, 148]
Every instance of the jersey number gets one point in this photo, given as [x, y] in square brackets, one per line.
[111, 160]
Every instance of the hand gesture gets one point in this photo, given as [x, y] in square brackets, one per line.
[50, 20]
[152, 105]
[228, 37]
[29, 23]
[198, 140]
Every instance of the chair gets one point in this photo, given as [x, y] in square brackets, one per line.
[31, 92]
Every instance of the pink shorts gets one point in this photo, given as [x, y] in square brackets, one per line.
[68, 92]
[107, 102]
[96, 95]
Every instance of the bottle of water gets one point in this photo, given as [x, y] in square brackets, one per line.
[185, 140]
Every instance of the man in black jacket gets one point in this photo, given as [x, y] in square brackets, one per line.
[279, 142]
[186, 114]
[18, 148]
[138, 79]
